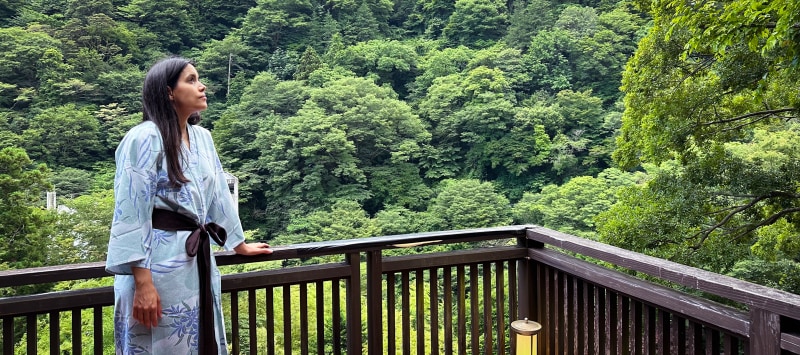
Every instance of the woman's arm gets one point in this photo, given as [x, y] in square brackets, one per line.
[245, 248]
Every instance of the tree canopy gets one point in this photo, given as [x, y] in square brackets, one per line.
[354, 118]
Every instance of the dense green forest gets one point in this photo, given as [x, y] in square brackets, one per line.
[664, 127]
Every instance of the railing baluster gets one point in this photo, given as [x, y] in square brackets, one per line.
[433, 276]
[473, 302]
[420, 312]
[488, 344]
[677, 335]
[549, 315]
[693, 338]
[32, 332]
[8, 336]
[499, 286]
[97, 314]
[353, 310]
[599, 320]
[731, 345]
[650, 330]
[391, 309]
[287, 319]
[320, 315]
[374, 306]
[662, 332]
[573, 317]
[76, 332]
[269, 300]
[251, 318]
[712, 341]
[448, 311]
[336, 309]
[235, 322]
[636, 332]
[55, 333]
[462, 327]
[405, 312]
[623, 324]
[587, 303]
[610, 322]
[303, 318]
[562, 299]
[513, 291]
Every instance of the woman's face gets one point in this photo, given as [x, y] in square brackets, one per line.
[189, 94]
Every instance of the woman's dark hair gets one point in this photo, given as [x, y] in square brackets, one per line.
[157, 107]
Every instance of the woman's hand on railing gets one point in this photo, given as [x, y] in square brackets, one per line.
[252, 248]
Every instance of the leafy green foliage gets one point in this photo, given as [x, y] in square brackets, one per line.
[572, 207]
[388, 111]
[463, 204]
[712, 93]
[64, 136]
[476, 23]
[25, 226]
[82, 232]
[71, 182]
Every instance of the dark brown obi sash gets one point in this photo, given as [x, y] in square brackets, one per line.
[198, 242]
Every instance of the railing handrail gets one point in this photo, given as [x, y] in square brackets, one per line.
[744, 292]
[47, 274]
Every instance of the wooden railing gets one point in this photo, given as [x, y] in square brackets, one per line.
[588, 309]
[429, 302]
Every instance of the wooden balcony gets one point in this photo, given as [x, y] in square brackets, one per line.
[428, 302]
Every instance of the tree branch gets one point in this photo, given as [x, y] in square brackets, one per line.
[744, 230]
[765, 113]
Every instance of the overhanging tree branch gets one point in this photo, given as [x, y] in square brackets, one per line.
[765, 113]
[745, 229]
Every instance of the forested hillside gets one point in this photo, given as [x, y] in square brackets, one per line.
[348, 119]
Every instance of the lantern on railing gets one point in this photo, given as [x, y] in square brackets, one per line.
[525, 335]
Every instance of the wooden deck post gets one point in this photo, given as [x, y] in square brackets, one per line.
[526, 287]
[765, 332]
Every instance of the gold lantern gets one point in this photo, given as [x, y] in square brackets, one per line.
[526, 334]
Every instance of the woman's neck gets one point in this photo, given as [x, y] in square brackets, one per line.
[182, 127]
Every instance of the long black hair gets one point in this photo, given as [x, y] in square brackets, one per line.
[157, 107]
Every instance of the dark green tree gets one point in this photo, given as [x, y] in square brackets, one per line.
[21, 64]
[430, 17]
[309, 62]
[463, 204]
[169, 25]
[476, 23]
[71, 182]
[527, 19]
[393, 62]
[65, 136]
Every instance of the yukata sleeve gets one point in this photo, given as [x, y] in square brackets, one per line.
[222, 210]
[137, 159]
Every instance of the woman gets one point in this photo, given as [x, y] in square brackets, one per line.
[171, 196]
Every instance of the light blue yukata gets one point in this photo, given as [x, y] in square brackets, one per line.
[141, 184]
